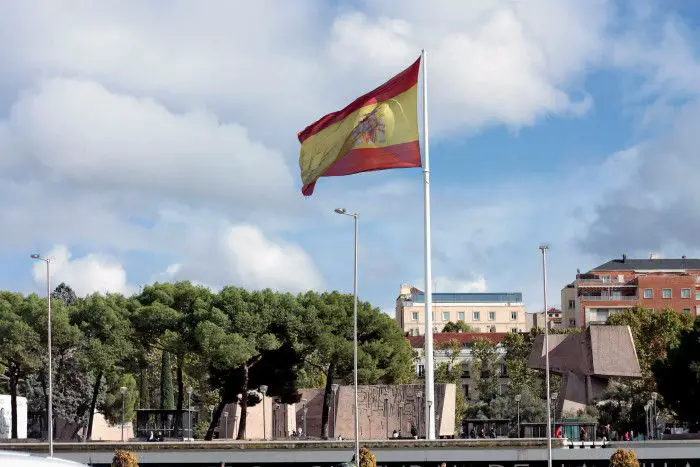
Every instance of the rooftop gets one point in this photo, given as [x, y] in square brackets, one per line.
[466, 297]
[626, 264]
[442, 338]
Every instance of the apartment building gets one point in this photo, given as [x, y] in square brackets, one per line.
[484, 312]
[468, 381]
[624, 283]
[536, 320]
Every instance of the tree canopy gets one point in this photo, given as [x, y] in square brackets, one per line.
[459, 326]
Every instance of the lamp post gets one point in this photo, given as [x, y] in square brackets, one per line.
[654, 428]
[49, 414]
[555, 396]
[543, 248]
[420, 409]
[517, 401]
[356, 217]
[263, 391]
[225, 424]
[304, 410]
[401, 405]
[334, 389]
[386, 414]
[189, 411]
[122, 390]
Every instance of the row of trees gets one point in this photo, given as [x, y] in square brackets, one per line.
[177, 335]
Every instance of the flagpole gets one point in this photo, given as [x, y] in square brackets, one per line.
[428, 350]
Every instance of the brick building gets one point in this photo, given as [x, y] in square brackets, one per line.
[624, 283]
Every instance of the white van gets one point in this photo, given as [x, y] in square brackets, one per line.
[15, 458]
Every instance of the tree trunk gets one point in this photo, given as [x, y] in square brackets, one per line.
[327, 395]
[215, 419]
[180, 393]
[14, 379]
[243, 403]
[93, 404]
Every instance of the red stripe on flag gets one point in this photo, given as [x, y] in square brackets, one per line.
[396, 156]
[395, 86]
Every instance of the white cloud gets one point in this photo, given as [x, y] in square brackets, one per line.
[259, 262]
[85, 275]
[449, 284]
[85, 134]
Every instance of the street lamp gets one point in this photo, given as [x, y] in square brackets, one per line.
[420, 409]
[263, 391]
[517, 401]
[543, 248]
[305, 410]
[334, 388]
[555, 396]
[356, 217]
[386, 414]
[123, 390]
[654, 428]
[225, 424]
[189, 410]
[48, 333]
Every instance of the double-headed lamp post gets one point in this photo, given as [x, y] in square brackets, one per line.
[123, 390]
[189, 410]
[49, 415]
[263, 391]
[356, 218]
[517, 401]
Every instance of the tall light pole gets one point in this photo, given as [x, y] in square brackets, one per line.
[122, 390]
[356, 218]
[419, 394]
[654, 420]
[334, 388]
[304, 410]
[263, 391]
[543, 248]
[189, 410]
[517, 400]
[48, 333]
[226, 424]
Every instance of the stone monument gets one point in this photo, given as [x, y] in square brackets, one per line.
[586, 361]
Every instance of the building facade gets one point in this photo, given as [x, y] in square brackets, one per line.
[624, 283]
[467, 381]
[484, 312]
[536, 320]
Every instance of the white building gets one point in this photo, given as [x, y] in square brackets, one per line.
[6, 414]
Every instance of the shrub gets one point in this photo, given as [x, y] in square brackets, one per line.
[367, 459]
[124, 458]
[624, 458]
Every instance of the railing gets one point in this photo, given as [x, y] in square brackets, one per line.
[606, 282]
[610, 298]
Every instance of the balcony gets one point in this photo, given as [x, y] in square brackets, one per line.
[605, 282]
[610, 298]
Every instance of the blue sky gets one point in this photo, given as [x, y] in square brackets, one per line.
[143, 141]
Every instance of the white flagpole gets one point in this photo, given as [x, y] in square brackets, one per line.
[429, 374]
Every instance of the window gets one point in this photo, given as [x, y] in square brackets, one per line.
[414, 316]
[504, 370]
[492, 316]
[697, 295]
[572, 303]
[466, 391]
[476, 315]
[605, 278]
[513, 315]
[666, 293]
[465, 370]
[421, 371]
[460, 316]
[445, 315]
[514, 330]
[572, 322]
[648, 293]
[685, 293]
[686, 310]
[492, 329]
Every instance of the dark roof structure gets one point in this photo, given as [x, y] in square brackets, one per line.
[470, 297]
[626, 264]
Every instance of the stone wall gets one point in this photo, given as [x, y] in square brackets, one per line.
[382, 409]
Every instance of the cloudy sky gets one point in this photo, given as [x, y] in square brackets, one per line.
[151, 140]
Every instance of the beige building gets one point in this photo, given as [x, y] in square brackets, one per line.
[484, 312]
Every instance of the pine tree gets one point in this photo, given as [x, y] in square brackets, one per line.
[167, 394]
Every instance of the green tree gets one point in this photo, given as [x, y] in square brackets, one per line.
[384, 355]
[459, 326]
[450, 371]
[19, 346]
[678, 377]
[65, 294]
[167, 394]
[112, 406]
[107, 343]
[654, 333]
[484, 367]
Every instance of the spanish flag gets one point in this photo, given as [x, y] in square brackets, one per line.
[378, 131]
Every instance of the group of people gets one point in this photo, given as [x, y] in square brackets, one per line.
[483, 433]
